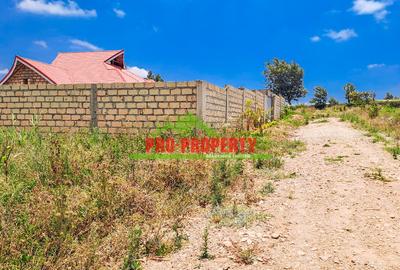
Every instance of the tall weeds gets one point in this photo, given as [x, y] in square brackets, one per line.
[61, 196]
[75, 201]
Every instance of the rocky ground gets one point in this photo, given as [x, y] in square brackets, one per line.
[335, 206]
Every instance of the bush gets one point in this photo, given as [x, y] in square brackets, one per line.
[204, 249]
[271, 163]
[132, 261]
[395, 103]
[223, 174]
[333, 102]
[268, 189]
[373, 111]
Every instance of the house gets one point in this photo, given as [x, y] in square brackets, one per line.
[73, 68]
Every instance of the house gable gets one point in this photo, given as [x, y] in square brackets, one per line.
[73, 68]
[23, 73]
[117, 60]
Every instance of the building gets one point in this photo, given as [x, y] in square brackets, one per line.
[72, 68]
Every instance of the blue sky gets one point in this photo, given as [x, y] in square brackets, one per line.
[223, 42]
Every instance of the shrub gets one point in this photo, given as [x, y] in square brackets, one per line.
[373, 111]
[217, 194]
[245, 255]
[271, 163]
[267, 189]
[132, 261]
[223, 174]
[333, 102]
[395, 150]
[204, 249]
[238, 168]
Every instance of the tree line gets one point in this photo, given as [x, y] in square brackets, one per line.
[287, 80]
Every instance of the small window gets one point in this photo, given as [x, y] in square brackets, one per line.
[25, 81]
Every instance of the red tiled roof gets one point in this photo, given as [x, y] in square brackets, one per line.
[81, 67]
[52, 73]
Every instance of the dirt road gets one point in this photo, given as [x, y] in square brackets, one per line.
[335, 213]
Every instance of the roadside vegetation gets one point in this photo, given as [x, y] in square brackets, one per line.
[77, 201]
[382, 122]
[379, 118]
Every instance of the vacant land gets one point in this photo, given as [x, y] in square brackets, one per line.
[77, 201]
[334, 206]
[329, 198]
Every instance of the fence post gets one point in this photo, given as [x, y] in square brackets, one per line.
[243, 104]
[200, 100]
[263, 107]
[93, 107]
[273, 107]
[255, 100]
[226, 103]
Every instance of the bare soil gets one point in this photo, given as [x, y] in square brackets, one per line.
[331, 214]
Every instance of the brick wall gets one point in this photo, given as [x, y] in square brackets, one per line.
[124, 107]
[22, 73]
[117, 108]
[278, 104]
[225, 105]
[60, 108]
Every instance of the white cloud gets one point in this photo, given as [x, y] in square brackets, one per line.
[119, 12]
[141, 72]
[372, 66]
[315, 39]
[81, 44]
[371, 7]
[3, 71]
[342, 35]
[56, 8]
[41, 43]
[155, 29]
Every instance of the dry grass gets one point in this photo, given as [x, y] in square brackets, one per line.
[377, 174]
[383, 127]
[236, 216]
[76, 201]
[245, 254]
[69, 201]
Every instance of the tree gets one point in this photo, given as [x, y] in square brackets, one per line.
[285, 79]
[389, 96]
[361, 98]
[349, 90]
[154, 77]
[320, 97]
[333, 102]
